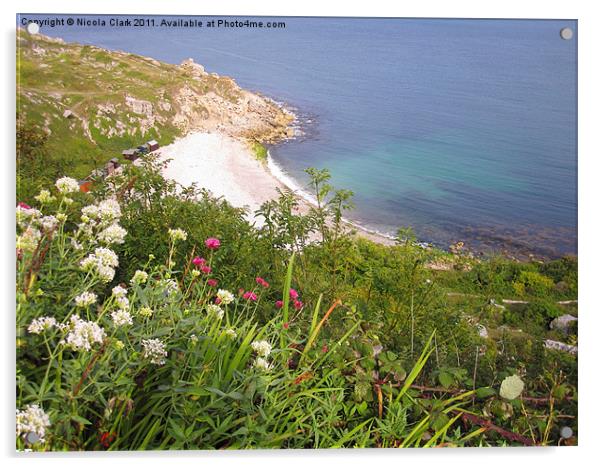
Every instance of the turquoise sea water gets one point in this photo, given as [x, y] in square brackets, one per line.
[463, 129]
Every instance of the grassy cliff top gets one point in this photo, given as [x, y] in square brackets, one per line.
[93, 103]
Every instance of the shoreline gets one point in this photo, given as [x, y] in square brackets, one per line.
[227, 167]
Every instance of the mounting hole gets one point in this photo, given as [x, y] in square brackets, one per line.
[566, 33]
[33, 28]
[566, 432]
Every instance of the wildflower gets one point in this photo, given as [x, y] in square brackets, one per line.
[205, 269]
[107, 257]
[122, 302]
[285, 325]
[61, 217]
[106, 274]
[298, 304]
[67, 185]
[293, 293]
[263, 348]
[195, 273]
[170, 287]
[118, 345]
[106, 438]
[44, 197]
[325, 349]
[198, 261]
[28, 240]
[76, 245]
[279, 304]
[83, 334]
[85, 299]
[119, 291]
[194, 339]
[511, 387]
[32, 420]
[114, 233]
[154, 350]
[215, 311]
[68, 201]
[225, 296]
[212, 282]
[139, 277]
[145, 312]
[121, 318]
[262, 282]
[212, 243]
[250, 296]
[23, 205]
[49, 222]
[26, 214]
[231, 333]
[178, 234]
[262, 364]
[41, 324]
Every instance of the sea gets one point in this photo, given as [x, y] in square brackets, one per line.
[462, 129]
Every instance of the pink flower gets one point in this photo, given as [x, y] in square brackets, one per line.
[298, 304]
[285, 325]
[279, 304]
[24, 206]
[217, 300]
[212, 282]
[325, 349]
[198, 261]
[293, 293]
[205, 269]
[212, 243]
[250, 296]
[262, 282]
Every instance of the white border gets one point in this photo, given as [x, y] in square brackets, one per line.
[590, 77]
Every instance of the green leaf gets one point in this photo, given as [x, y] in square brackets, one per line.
[446, 379]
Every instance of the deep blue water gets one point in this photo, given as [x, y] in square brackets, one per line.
[462, 129]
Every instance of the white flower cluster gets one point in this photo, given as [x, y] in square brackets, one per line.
[49, 223]
[231, 333]
[262, 364]
[154, 350]
[121, 317]
[41, 324]
[119, 291]
[177, 234]
[26, 217]
[262, 348]
[139, 277]
[146, 312]
[83, 334]
[85, 299]
[215, 311]
[102, 261]
[225, 297]
[112, 234]
[32, 420]
[100, 222]
[28, 240]
[169, 286]
[67, 185]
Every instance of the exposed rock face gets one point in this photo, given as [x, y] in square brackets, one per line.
[195, 69]
[558, 345]
[142, 107]
[563, 322]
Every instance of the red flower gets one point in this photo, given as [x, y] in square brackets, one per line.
[325, 349]
[198, 261]
[279, 304]
[250, 296]
[212, 243]
[298, 304]
[293, 294]
[24, 206]
[205, 269]
[217, 300]
[285, 325]
[212, 282]
[262, 282]
[106, 438]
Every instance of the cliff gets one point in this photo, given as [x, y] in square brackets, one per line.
[93, 102]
